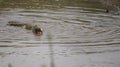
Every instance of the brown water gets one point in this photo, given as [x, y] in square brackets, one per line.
[75, 35]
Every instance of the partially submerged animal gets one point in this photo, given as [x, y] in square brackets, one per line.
[18, 24]
[35, 28]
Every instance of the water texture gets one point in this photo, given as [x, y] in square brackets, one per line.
[78, 34]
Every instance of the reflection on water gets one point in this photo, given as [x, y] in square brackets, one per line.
[82, 34]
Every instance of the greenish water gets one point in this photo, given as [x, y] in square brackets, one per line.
[39, 4]
[76, 33]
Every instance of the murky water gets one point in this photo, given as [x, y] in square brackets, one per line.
[81, 35]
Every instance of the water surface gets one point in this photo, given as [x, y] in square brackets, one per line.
[75, 35]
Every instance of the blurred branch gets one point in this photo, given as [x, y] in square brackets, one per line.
[52, 63]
